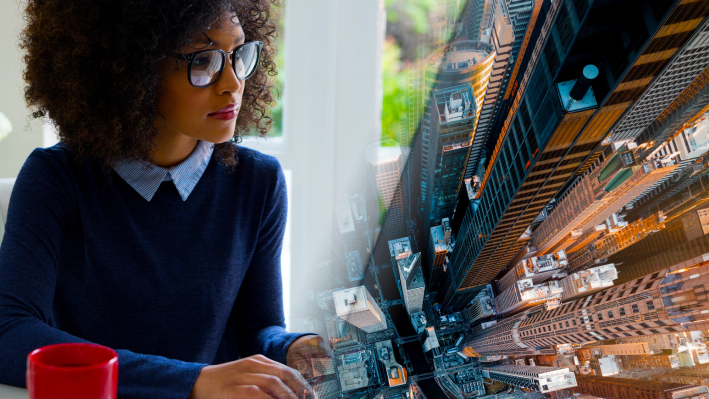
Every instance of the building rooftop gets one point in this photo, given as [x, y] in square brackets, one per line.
[345, 220]
[460, 56]
[400, 248]
[455, 103]
[350, 300]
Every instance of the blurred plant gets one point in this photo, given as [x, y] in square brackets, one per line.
[394, 83]
[5, 126]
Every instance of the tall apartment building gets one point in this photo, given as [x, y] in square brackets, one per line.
[560, 114]
[458, 74]
[588, 281]
[537, 268]
[533, 378]
[524, 294]
[357, 307]
[499, 33]
[686, 55]
[627, 388]
[411, 280]
[599, 194]
[483, 306]
[439, 244]
[385, 167]
[663, 302]
[686, 375]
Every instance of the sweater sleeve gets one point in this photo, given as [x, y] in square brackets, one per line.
[42, 207]
[258, 312]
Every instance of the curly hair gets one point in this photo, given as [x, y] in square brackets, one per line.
[94, 68]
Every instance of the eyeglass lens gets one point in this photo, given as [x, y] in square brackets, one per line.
[207, 66]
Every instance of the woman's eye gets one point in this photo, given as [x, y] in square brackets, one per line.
[201, 60]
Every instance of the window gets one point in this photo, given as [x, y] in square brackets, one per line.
[610, 314]
[621, 311]
[652, 330]
[670, 329]
[640, 280]
[644, 325]
[660, 323]
[574, 321]
[635, 307]
[600, 316]
[650, 305]
[567, 323]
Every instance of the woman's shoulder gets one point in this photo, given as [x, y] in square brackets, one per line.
[258, 163]
[56, 157]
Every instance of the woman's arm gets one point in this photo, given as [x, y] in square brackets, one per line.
[42, 206]
[257, 318]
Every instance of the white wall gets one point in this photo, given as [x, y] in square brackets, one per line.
[26, 134]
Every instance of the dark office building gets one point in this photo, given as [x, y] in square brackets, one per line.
[628, 388]
[558, 117]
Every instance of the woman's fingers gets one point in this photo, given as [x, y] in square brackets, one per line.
[260, 364]
[267, 383]
[248, 391]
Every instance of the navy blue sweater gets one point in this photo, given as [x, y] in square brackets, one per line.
[171, 285]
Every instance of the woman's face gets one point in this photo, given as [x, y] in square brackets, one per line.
[188, 110]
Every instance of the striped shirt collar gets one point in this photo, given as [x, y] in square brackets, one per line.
[145, 178]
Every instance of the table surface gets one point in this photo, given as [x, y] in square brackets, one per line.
[8, 392]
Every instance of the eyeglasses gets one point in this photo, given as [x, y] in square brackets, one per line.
[206, 66]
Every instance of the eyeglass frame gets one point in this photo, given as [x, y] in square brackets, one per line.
[189, 57]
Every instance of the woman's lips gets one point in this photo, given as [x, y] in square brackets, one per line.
[225, 116]
[226, 113]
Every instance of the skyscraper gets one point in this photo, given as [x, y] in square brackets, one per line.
[458, 74]
[439, 243]
[411, 280]
[561, 113]
[662, 302]
[498, 31]
[357, 307]
[385, 166]
[612, 387]
[598, 195]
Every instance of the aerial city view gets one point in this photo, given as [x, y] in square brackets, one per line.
[535, 221]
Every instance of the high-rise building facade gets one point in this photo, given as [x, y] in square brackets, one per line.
[458, 74]
[627, 388]
[663, 302]
[600, 194]
[561, 113]
[411, 280]
[385, 166]
[439, 244]
[499, 33]
[357, 307]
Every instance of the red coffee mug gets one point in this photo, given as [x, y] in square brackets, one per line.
[72, 371]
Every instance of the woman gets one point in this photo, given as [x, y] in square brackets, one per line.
[147, 229]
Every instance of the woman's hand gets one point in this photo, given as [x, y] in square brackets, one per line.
[303, 352]
[252, 377]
